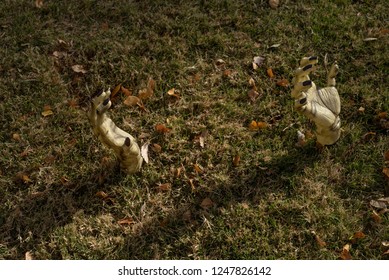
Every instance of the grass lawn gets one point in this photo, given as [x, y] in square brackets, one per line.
[213, 188]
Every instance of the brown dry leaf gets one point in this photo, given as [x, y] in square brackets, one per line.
[28, 256]
[197, 168]
[126, 221]
[16, 137]
[132, 101]
[377, 218]
[25, 178]
[227, 73]
[236, 160]
[361, 109]
[102, 195]
[192, 185]
[283, 83]
[386, 155]
[38, 4]
[257, 125]
[319, 241]
[161, 128]
[116, 90]
[383, 115]
[172, 91]
[156, 148]
[253, 125]
[206, 203]
[257, 62]
[381, 203]
[125, 91]
[79, 69]
[146, 93]
[252, 83]
[73, 103]
[47, 113]
[358, 235]
[187, 216]
[384, 31]
[164, 187]
[144, 150]
[270, 73]
[274, 4]
[385, 170]
[177, 172]
[345, 254]
[253, 94]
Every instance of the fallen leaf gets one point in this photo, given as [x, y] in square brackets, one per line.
[253, 95]
[386, 253]
[300, 139]
[361, 109]
[177, 172]
[369, 39]
[377, 218]
[116, 90]
[197, 168]
[38, 4]
[164, 187]
[220, 62]
[28, 256]
[132, 100]
[274, 4]
[381, 203]
[126, 91]
[252, 83]
[257, 62]
[161, 128]
[385, 170]
[192, 185]
[270, 73]
[274, 46]
[144, 152]
[102, 195]
[358, 235]
[227, 73]
[171, 92]
[126, 221]
[73, 103]
[206, 203]
[187, 216]
[25, 179]
[385, 243]
[146, 93]
[383, 115]
[156, 148]
[283, 83]
[345, 254]
[257, 125]
[319, 241]
[79, 69]
[16, 137]
[236, 160]
[386, 155]
[384, 31]
[58, 54]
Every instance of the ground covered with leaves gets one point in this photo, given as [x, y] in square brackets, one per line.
[227, 177]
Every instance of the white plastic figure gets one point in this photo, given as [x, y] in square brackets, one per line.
[123, 144]
[322, 106]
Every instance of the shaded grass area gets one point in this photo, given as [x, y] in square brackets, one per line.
[265, 207]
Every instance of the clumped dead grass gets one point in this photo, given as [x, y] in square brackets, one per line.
[213, 189]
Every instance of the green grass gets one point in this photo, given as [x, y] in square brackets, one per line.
[264, 208]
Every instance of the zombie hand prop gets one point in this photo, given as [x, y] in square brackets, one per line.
[322, 106]
[123, 144]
